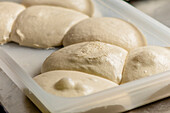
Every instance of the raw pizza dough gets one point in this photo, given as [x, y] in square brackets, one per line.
[8, 14]
[72, 83]
[97, 58]
[146, 61]
[44, 26]
[84, 6]
[109, 30]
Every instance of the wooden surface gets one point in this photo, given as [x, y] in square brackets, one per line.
[15, 101]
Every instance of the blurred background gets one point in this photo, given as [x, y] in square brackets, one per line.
[158, 9]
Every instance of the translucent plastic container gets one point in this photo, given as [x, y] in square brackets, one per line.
[22, 63]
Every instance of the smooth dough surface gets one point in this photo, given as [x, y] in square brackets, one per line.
[97, 58]
[8, 14]
[146, 61]
[72, 83]
[109, 30]
[84, 6]
[44, 26]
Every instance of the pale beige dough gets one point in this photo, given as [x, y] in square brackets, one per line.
[95, 58]
[109, 30]
[146, 61]
[8, 14]
[84, 6]
[72, 83]
[44, 26]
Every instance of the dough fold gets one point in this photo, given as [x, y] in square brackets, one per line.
[44, 26]
[8, 14]
[145, 61]
[72, 83]
[95, 58]
[105, 29]
[84, 6]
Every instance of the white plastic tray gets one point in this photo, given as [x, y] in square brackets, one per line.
[22, 63]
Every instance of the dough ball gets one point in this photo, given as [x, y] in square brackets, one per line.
[146, 61]
[84, 6]
[109, 30]
[72, 83]
[8, 14]
[95, 58]
[44, 26]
